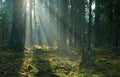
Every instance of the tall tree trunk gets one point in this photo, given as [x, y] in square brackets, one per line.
[64, 21]
[30, 13]
[87, 62]
[73, 24]
[82, 24]
[17, 34]
[63, 24]
[117, 15]
[97, 24]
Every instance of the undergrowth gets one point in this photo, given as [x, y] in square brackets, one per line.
[49, 62]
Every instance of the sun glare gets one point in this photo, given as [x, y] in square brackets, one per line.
[93, 6]
[27, 5]
[41, 25]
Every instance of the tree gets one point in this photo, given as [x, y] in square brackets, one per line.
[5, 22]
[62, 23]
[97, 24]
[112, 26]
[17, 35]
[87, 62]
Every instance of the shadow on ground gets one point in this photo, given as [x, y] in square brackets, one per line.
[10, 63]
[42, 64]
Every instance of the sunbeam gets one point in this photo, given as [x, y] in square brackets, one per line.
[43, 30]
[28, 25]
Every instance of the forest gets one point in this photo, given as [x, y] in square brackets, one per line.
[59, 38]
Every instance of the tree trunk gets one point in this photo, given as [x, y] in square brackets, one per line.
[86, 55]
[17, 34]
[97, 24]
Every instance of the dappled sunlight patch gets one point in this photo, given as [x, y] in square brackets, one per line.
[58, 64]
[98, 75]
[71, 74]
[63, 65]
[51, 59]
[74, 52]
[45, 48]
[28, 68]
[76, 64]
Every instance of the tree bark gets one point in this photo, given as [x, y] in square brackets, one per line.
[17, 35]
[87, 61]
[97, 24]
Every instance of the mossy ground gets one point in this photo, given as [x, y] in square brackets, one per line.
[48, 62]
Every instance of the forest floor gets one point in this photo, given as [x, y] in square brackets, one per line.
[48, 62]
